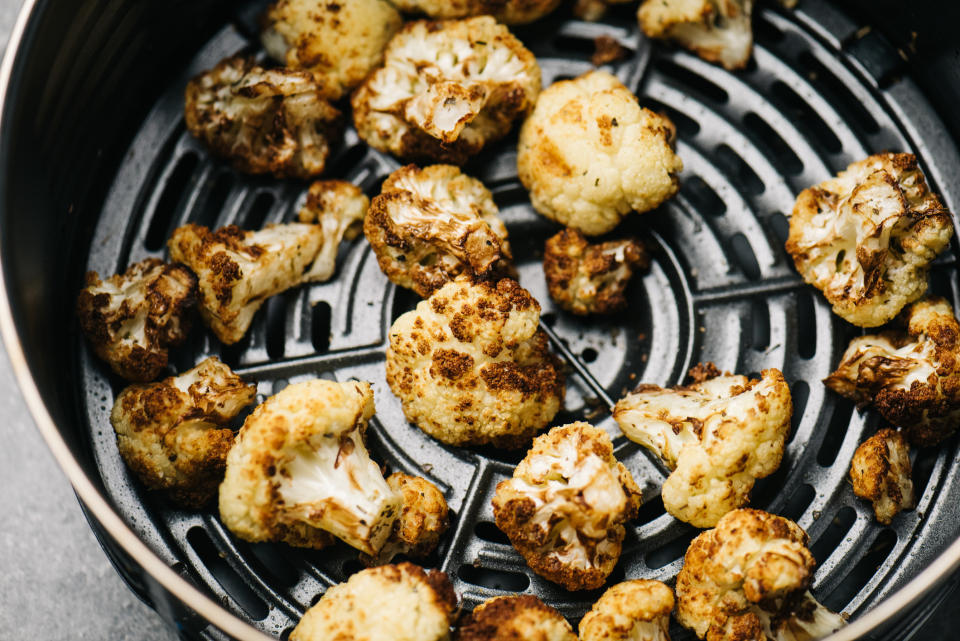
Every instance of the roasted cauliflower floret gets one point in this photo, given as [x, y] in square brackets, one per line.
[173, 433]
[866, 238]
[910, 374]
[565, 506]
[471, 365]
[716, 30]
[398, 602]
[636, 610]
[339, 208]
[133, 319]
[717, 436]
[505, 11]
[748, 579]
[423, 519]
[429, 225]
[266, 121]
[880, 472]
[340, 42]
[446, 89]
[593, 10]
[589, 154]
[299, 469]
[522, 617]
[591, 279]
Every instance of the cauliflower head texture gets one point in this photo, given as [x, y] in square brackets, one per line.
[429, 225]
[717, 436]
[880, 472]
[424, 517]
[265, 121]
[471, 366]
[505, 11]
[747, 580]
[911, 374]
[400, 602]
[173, 433]
[446, 89]
[716, 30]
[637, 610]
[866, 238]
[132, 319]
[521, 617]
[299, 470]
[565, 506]
[589, 154]
[338, 207]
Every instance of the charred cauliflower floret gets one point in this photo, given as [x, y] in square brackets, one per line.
[266, 121]
[522, 617]
[423, 519]
[565, 506]
[505, 11]
[132, 319]
[593, 10]
[880, 472]
[591, 279]
[299, 470]
[589, 154]
[748, 579]
[471, 365]
[717, 436]
[398, 602]
[446, 89]
[429, 225]
[910, 374]
[339, 208]
[340, 42]
[636, 610]
[866, 238]
[172, 433]
[716, 30]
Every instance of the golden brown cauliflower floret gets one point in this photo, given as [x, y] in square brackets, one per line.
[266, 121]
[591, 279]
[910, 374]
[429, 225]
[636, 610]
[424, 517]
[565, 506]
[172, 433]
[398, 602]
[866, 238]
[589, 154]
[446, 89]
[523, 617]
[505, 11]
[748, 579]
[880, 472]
[338, 207]
[716, 30]
[717, 436]
[299, 470]
[133, 319]
[593, 10]
[471, 365]
[340, 42]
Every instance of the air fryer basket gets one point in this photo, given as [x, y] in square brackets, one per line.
[98, 170]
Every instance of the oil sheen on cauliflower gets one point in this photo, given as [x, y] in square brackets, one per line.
[565, 506]
[399, 602]
[471, 365]
[266, 121]
[591, 279]
[446, 89]
[716, 30]
[429, 225]
[424, 517]
[866, 238]
[748, 579]
[173, 433]
[299, 470]
[340, 42]
[589, 154]
[636, 610]
[880, 472]
[717, 436]
[133, 319]
[911, 374]
[338, 207]
[522, 617]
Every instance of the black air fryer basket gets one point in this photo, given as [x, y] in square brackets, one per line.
[97, 170]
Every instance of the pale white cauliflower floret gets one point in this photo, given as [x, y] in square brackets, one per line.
[636, 610]
[717, 436]
[565, 506]
[505, 11]
[866, 238]
[299, 470]
[338, 207]
[589, 154]
[423, 519]
[446, 89]
[716, 30]
[521, 617]
[880, 472]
